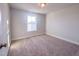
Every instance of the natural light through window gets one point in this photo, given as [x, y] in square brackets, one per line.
[31, 23]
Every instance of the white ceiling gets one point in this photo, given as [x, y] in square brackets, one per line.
[35, 8]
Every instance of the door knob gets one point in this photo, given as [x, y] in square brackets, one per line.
[3, 45]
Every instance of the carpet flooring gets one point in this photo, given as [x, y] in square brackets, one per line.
[43, 45]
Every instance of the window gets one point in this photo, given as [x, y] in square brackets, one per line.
[31, 23]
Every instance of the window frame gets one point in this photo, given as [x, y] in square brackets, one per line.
[31, 23]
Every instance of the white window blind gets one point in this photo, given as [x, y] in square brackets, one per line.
[31, 23]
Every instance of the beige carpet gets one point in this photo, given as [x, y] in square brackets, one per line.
[43, 45]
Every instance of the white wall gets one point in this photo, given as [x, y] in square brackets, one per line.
[64, 24]
[19, 26]
[4, 8]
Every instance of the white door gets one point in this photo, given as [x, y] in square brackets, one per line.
[4, 30]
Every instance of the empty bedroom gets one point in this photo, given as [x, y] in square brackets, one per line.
[39, 29]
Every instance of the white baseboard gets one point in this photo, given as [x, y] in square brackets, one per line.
[77, 43]
[18, 38]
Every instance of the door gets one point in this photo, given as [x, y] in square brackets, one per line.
[4, 29]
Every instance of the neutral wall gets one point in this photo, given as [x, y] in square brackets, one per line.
[19, 26]
[4, 9]
[64, 24]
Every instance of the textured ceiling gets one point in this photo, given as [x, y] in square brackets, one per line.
[35, 8]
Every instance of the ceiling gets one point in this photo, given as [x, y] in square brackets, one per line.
[33, 7]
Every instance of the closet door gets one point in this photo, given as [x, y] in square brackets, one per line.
[4, 29]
